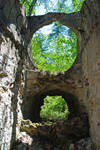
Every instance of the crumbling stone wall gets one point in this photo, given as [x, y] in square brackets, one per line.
[12, 57]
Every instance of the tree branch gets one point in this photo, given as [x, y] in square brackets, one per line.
[72, 21]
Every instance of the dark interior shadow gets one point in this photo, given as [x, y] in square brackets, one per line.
[32, 104]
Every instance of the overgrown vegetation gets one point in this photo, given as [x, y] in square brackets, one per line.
[54, 108]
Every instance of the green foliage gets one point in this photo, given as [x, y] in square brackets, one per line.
[54, 108]
[58, 54]
[77, 4]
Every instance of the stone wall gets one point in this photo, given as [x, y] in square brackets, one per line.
[91, 66]
[11, 70]
[91, 69]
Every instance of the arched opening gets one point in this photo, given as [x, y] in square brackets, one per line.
[54, 48]
[32, 105]
[54, 108]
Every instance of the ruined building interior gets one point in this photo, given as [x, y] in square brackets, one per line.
[23, 87]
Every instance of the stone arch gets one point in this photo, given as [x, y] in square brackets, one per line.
[39, 84]
[32, 105]
[73, 23]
